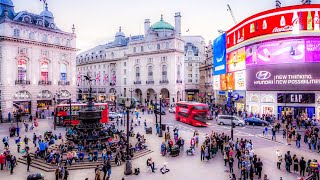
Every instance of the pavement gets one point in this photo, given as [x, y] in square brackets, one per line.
[181, 167]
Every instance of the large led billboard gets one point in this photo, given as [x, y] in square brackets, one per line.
[236, 60]
[219, 57]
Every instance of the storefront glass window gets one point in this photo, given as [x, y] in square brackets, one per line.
[267, 99]
[164, 72]
[150, 73]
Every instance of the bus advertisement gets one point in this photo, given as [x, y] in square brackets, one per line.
[63, 113]
[192, 113]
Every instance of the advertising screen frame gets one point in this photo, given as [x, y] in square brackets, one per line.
[219, 56]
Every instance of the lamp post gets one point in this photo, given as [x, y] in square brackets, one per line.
[160, 132]
[131, 89]
[155, 109]
[54, 113]
[128, 166]
[229, 106]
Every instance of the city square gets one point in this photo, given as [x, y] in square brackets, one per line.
[87, 93]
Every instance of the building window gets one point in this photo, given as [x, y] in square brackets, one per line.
[189, 58]
[150, 60]
[57, 40]
[137, 73]
[68, 43]
[190, 80]
[44, 71]
[163, 59]
[164, 72]
[134, 49]
[190, 75]
[125, 81]
[124, 71]
[150, 73]
[22, 70]
[179, 72]
[63, 72]
[137, 61]
[45, 38]
[142, 49]
[158, 46]
[167, 45]
[112, 55]
[32, 35]
[124, 63]
[16, 33]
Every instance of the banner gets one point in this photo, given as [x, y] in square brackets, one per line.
[276, 52]
[284, 77]
[240, 80]
[219, 57]
[312, 47]
[236, 60]
[216, 82]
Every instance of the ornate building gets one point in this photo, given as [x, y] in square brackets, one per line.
[194, 55]
[147, 65]
[37, 60]
[206, 77]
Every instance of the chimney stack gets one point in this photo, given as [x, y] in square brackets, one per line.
[146, 26]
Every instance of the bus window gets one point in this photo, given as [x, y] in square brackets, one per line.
[182, 105]
[183, 114]
[199, 117]
[200, 107]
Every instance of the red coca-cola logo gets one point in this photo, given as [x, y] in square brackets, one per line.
[282, 29]
[295, 21]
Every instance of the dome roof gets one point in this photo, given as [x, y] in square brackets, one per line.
[162, 25]
[46, 13]
[120, 33]
[6, 2]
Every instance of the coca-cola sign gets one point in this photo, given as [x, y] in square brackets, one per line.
[288, 19]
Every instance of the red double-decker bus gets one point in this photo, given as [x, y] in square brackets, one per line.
[192, 113]
[63, 113]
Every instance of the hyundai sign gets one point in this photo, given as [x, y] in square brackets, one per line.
[283, 77]
[220, 55]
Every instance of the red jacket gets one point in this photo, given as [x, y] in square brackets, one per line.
[2, 159]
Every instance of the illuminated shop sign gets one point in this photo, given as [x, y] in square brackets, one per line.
[283, 77]
[289, 19]
[304, 98]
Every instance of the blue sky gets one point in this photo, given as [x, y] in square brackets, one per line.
[97, 21]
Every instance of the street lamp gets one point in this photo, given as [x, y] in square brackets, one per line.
[229, 106]
[128, 167]
[131, 89]
[155, 110]
[160, 133]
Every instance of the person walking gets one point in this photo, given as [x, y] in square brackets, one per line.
[97, 175]
[56, 173]
[295, 164]
[259, 168]
[66, 173]
[231, 160]
[13, 163]
[273, 133]
[109, 168]
[302, 164]
[202, 152]
[288, 161]
[279, 159]
[2, 160]
[104, 170]
[28, 161]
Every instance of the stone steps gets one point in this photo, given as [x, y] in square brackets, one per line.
[85, 164]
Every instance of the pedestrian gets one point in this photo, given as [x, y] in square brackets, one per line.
[66, 173]
[28, 161]
[56, 173]
[97, 173]
[251, 172]
[298, 140]
[295, 164]
[259, 168]
[104, 170]
[302, 164]
[18, 144]
[2, 160]
[225, 158]
[288, 161]
[266, 130]
[13, 162]
[206, 153]
[273, 133]
[109, 168]
[145, 124]
[231, 160]
[279, 159]
[18, 131]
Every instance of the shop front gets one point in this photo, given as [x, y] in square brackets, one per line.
[23, 107]
[44, 104]
[192, 94]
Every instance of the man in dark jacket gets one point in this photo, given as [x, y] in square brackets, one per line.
[288, 160]
[28, 161]
[104, 169]
[302, 166]
[259, 168]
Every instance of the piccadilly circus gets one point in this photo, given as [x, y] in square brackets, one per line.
[270, 62]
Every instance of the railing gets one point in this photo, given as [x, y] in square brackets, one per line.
[63, 83]
[164, 82]
[179, 81]
[22, 82]
[150, 82]
[137, 82]
[44, 82]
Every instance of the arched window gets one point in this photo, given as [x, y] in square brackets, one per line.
[57, 40]
[32, 35]
[267, 99]
[164, 72]
[158, 46]
[68, 43]
[254, 98]
[22, 95]
[44, 94]
[150, 73]
[63, 72]
[22, 70]
[44, 71]
[45, 38]
[137, 73]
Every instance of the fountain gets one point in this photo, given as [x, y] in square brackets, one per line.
[89, 127]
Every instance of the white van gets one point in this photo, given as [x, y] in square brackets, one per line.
[226, 120]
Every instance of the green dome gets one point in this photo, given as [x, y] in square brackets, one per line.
[162, 25]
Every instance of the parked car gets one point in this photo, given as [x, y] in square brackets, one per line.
[226, 120]
[256, 121]
[114, 115]
[172, 110]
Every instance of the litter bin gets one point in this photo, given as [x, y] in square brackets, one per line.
[37, 176]
[163, 127]
[175, 150]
